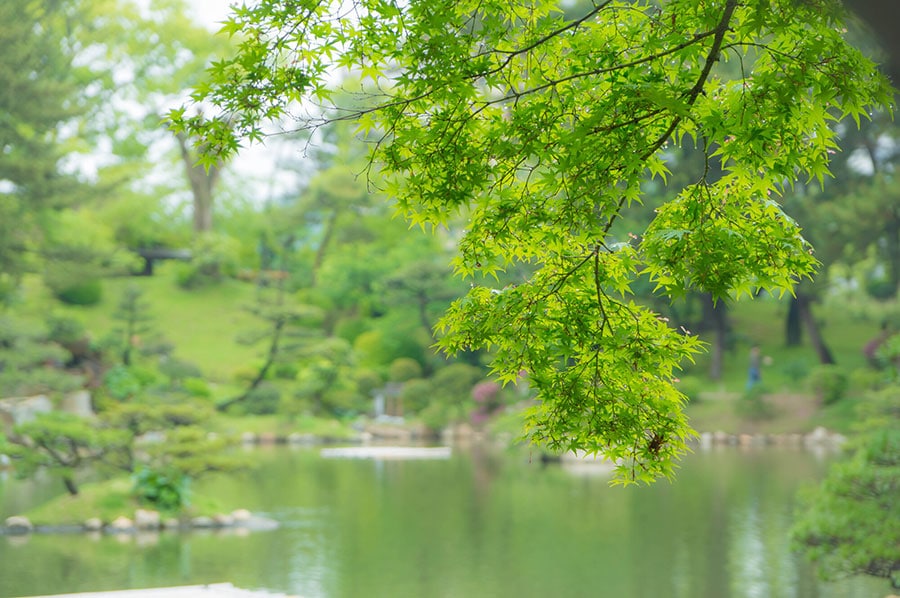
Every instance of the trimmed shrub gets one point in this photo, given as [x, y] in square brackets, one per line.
[866, 379]
[125, 382]
[245, 374]
[89, 292]
[64, 330]
[454, 383]
[155, 347]
[165, 491]
[828, 382]
[121, 383]
[177, 370]
[392, 337]
[285, 371]
[796, 369]
[215, 257]
[446, 398]
[403, 369]
[752, 404]
[438, 416]
[416, 395]
[367, 380]
[691, 387]
[190, 413]
[350, 328]
[262, 400]
[879, 287]
[197, 387]
[344, 402]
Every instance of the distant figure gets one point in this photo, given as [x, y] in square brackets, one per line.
[753, 374]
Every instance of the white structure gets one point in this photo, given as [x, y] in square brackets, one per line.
[387, 452]
[216, 590]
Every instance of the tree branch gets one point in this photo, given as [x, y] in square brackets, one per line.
[711, 58]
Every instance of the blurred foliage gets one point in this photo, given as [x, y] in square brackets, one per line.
[690, 387]
[403, 369]
[828, 382]
[65, 444]
[446, 398]
[850, 524]
[214, 258]
[89, 292]
[30, 363]
[752, 404]
[348, 298]
[162, 444]
[161, 490]
[265, 399]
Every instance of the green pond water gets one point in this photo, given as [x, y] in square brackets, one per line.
[483, 523]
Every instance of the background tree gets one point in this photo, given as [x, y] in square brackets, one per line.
[31, 362]
[847, 218]
[325, 380]
[203, 182]
[542, 129]
[334, 194]
[849, 524]
[157, 442]
[133, 313]
[289, 325]
[40, 98]
[65, 445]
[423, 284]
[151, 57]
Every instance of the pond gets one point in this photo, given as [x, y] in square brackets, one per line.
[483, 523]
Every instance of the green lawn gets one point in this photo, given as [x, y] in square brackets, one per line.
[762, 321]
[202, 324]
[108, 500]
[791, 413]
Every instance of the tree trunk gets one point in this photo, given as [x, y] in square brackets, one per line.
[804, 306]
[129, 341]
[261, 374]
[70, 486]
[201, 186]
[793, 327]
[422, 305]
[892, 232]
[279, 322]
[202, 182]
[330, 226]
[715, 320]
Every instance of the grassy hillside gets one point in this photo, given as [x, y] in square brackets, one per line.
[202, 324]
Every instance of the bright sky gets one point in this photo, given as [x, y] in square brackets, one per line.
[257, 163]
[211, 12]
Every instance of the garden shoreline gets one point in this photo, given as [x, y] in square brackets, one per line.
[144, 521]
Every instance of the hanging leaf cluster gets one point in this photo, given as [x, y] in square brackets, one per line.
[539, 131]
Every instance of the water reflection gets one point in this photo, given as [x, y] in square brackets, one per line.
[747, 554]
[483, 523]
